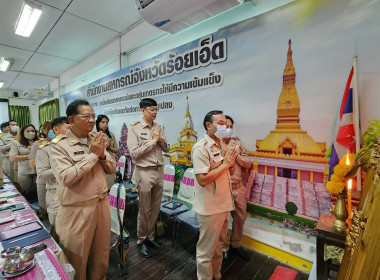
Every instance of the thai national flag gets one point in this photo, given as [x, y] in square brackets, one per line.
[344, 136]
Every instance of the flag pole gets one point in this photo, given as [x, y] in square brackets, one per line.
[356, 119]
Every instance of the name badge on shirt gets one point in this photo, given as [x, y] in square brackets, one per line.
[143, 133]
[217, 157]
[79, 153]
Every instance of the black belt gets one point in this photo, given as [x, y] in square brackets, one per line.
[150, 167]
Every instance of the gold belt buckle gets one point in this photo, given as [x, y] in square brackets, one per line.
[103, 196]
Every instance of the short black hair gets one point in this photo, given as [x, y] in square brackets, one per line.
[72, 109]
[146, 102]
[58, 121]
[12, 121]
[229, 118]
[209, 115]
[4, 124]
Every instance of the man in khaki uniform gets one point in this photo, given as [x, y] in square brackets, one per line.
[80, 163]
[45, 174]
[213, 160]
[5, 147]
[239, 215]
[146, 142]
[41, 188]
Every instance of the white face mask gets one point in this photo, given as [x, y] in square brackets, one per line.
[15, 128]
[221, 131]
[229, 132]
[30, 135]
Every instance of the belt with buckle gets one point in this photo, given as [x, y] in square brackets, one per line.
[89, 202]
[150, 167]
[235, 186]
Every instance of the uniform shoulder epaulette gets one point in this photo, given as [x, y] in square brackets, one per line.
[43, 144]
[134, 123]
[57, 138]
[16, 141]
[39, 140]
[1, 135]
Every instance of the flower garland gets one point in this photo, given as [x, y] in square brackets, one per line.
[337, 181]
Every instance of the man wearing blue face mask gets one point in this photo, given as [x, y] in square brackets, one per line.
[232, 245]
[5, 146]
[213, 161]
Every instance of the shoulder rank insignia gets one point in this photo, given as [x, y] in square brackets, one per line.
[39, 140]
[57, 138]
[134, 123]
[1, 135]
[43, 144]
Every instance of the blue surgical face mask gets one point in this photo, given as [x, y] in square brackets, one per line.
[220, 131]
[51, 134]
[229, 132]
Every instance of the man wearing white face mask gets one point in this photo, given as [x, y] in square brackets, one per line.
[239, 215]
[213, 161]
[5, 146]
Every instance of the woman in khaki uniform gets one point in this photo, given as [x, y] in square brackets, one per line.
[20, 150]
[111, 144]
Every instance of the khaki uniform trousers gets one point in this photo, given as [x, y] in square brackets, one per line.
[25, 181]
[1, 169]
[149, 182]
[212, 231]
[14, 167]
[8, 168]
[52, 210]
[84, 232]
[239, 215]
[41, 194]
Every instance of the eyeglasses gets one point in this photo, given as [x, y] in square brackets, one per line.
[152, 110]
[87, 117]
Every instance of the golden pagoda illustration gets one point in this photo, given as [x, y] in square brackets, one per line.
[288, 151]
[180, 152]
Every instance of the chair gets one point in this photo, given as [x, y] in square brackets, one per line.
[176, 207]
[169, 175]
[119, 235]
[120, 166]
[186, 194]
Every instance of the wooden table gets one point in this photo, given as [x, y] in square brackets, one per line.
[327, 235]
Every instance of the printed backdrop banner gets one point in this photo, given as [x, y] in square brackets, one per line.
[239, 70]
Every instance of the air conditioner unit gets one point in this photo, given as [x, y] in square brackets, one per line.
[176, 15]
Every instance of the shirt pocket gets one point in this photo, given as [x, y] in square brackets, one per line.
[78, 155]
[145, 137]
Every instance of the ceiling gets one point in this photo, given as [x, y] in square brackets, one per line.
[68, 31]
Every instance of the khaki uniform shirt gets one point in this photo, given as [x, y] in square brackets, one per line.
[5, 143]
[242, 161]
[112, 145]
[144, 150]
[44, 172]
[33, 150]
[215, 197]
[81, 175]
[19, 150]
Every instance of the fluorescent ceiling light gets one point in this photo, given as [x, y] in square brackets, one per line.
[1, 84]
[5, 64]
[28, 18]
